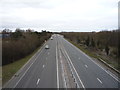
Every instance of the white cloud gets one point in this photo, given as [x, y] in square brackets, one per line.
[59, 15]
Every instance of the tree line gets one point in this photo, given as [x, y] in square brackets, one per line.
[97, 40]
[18, 44]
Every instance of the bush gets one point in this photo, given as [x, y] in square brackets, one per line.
[21, 44]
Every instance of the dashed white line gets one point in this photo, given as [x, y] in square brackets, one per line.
[79, 58]
[94, 62]
[23, 75]
[99, 80]
[38, 81]
[43, 66]
[29, 66]
[86, 66]
[74, 69]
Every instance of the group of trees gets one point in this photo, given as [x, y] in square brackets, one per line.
[18, 44]
[97, 40]
[21, 43]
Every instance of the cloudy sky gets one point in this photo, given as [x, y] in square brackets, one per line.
[59, 15]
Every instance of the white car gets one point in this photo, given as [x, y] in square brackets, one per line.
[51, 38]
[46, 47]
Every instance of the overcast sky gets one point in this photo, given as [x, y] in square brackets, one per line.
[59, 15]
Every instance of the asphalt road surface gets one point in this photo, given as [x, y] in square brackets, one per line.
[62, 66]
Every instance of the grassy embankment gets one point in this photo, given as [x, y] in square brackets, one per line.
[9, 70]
[92, 54]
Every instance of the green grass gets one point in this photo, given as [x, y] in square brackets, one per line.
[115, 65]
[84, 50]
[9, 70]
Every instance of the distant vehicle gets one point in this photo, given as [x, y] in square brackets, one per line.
[46, 47]
[51, 38]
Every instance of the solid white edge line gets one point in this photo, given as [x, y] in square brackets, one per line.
[19, 71]
[57, 68]
[94, 62]
[27, 69]
[63, 75]
[99, 80]
[22, 76]
[75, 70]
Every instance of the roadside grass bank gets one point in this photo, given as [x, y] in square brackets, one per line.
[9, 70]
[113, 65]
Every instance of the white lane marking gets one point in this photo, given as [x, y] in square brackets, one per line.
[74, 69]
[86, 66]
[79, 58]
[26, 71]
[99, 80]
[23, 75]
[63, 71]
[94, 61]
[43, 66]
[26, 63]
[63, 75]
[38, 81]
[105, 71]
[57, 68]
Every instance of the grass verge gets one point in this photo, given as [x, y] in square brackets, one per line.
[84, 50]
[9, 70]
[116, 66]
